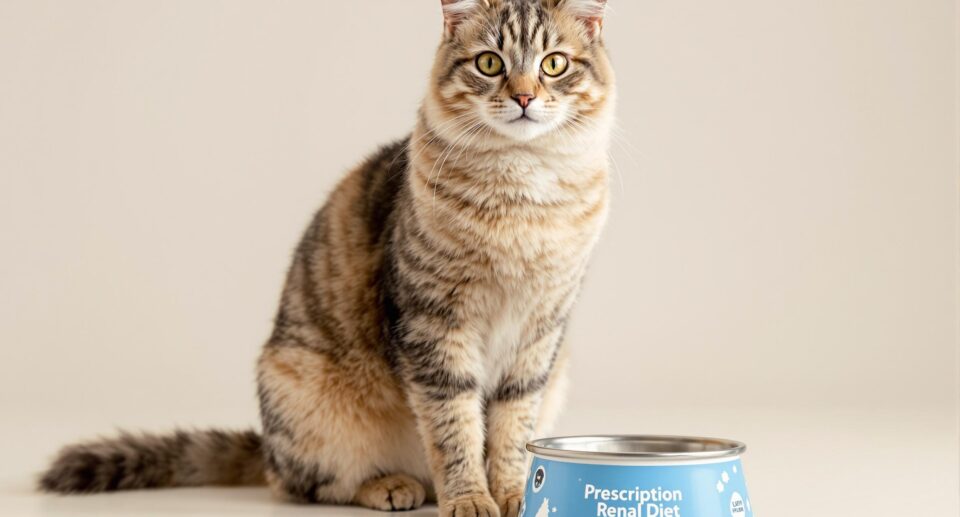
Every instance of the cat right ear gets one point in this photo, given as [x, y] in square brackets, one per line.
[590, 12]
[455, 11]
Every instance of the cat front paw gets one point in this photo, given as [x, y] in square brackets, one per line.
[471, 505]
[509, 503]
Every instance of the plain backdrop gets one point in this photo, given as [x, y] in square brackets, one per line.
[782, 242]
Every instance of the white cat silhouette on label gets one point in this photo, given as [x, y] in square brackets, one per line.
[544, 510]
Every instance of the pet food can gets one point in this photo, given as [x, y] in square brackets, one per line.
[635, 476]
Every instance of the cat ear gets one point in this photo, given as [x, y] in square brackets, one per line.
[590, 12]
[455, 11]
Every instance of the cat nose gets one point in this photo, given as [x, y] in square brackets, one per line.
[523, 99]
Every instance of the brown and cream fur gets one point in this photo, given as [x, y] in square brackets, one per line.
[419, 340]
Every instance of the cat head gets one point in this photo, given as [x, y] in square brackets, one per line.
[521, 69]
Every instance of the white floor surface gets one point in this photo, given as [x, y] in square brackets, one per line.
[800, 463]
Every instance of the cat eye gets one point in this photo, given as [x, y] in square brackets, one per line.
[489, 64]
[554, 64]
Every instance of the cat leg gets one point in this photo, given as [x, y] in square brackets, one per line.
[391, 493]
[554, 394]
[329, 428]
[512, 415]
[448, 404]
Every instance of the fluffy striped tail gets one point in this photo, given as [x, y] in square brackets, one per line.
[181, 458]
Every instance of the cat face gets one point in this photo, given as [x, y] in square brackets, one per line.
[521, 69]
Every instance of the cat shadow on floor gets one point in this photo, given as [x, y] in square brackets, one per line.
[196, 501]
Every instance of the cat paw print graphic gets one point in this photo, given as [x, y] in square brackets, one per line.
[739, 507]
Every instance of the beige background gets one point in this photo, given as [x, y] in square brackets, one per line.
[780, 264]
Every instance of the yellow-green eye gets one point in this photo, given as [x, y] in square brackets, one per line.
[554, 64]
[489, 64]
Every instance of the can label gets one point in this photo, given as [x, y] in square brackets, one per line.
[708, 489]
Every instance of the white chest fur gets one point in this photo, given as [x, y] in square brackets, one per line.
[509, 315]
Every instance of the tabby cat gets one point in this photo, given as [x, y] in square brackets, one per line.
[418, 343]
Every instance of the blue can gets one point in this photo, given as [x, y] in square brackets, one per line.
[636, 476]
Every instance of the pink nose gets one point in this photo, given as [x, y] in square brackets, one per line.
[523, 99]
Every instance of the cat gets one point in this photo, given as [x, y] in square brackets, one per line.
[419, 340]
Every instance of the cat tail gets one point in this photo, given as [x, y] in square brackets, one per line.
[180, 458]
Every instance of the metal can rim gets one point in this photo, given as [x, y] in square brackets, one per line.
[687, 448]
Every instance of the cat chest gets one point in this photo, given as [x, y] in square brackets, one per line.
[543, 237]
[509, 324]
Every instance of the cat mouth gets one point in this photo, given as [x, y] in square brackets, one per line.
[523, 118]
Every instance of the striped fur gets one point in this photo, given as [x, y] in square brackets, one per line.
[182, 458]
[418, 343]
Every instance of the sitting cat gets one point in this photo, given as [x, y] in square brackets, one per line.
[418, 343]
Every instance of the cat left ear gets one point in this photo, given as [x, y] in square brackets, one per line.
[456, 11]
[590, 12]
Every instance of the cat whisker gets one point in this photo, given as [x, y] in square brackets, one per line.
[577, 121]
[442, 158]
[433, 132]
